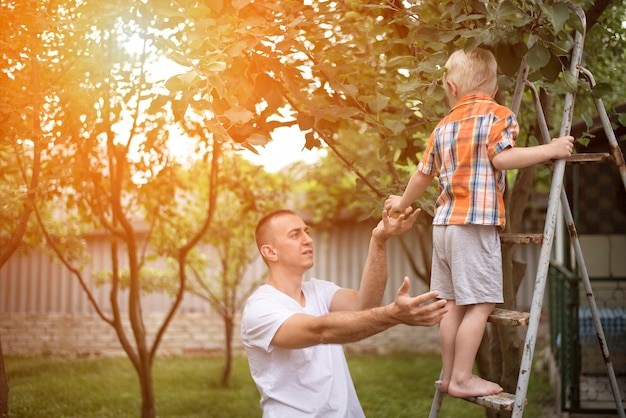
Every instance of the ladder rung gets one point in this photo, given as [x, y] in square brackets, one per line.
[509, 318]
[588, 157]
[501, 402]
[514, 238]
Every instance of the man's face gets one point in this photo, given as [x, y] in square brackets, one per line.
[291, 242]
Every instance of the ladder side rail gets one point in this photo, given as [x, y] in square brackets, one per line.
[582, 266]
[539, 287]
[616, 152]
[435, 407]
[549, 228]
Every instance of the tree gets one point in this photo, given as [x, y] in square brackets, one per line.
[31, 62]
[371, 68]
[219, 270]
[103, 148]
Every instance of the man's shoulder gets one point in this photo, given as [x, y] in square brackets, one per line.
[264, 301]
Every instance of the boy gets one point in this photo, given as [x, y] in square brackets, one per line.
[468, 151]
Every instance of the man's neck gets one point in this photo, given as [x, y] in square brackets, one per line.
[288, 283]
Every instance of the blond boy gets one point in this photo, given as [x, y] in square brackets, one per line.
[469, 151]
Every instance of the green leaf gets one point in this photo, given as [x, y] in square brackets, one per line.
[394, 126]
[179, 59]
[559, 14]
[305, 122]
[471, 43]
[215, 66]
[238, 115]
[538, 56]
[350, 90]
[174, 84]
[378, 103]
[587, 119]
[602, 89]
[216, 5]
[586, 138]
[199, 11]
[404, 61]
[621, 117]
[571, 82]
[576, 23]
[258, 139]
[507, 9]
[511, 14]
[311, 141]
[240, 4]
[410, 85]
[552, 70]
[509, 56]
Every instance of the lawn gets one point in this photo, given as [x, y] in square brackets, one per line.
[398, 385]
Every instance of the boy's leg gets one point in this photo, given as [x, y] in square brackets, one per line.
[448, 328]
[441, 280]
[470, 332]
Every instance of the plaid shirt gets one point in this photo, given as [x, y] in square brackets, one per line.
[459, 152]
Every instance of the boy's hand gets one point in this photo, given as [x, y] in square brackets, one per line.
[392, 205]
[562, 147]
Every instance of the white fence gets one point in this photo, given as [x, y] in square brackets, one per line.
[35, 283]
[40, 299]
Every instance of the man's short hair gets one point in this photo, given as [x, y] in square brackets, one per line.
[260, 233]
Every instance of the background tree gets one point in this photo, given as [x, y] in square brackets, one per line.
[32, 60]
[220, 270]
[103, 148]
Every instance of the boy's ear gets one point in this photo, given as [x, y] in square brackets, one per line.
[452, 89]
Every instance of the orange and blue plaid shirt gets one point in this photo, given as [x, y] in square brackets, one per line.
[459, 153]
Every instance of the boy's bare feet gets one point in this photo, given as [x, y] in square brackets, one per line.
[474, 386]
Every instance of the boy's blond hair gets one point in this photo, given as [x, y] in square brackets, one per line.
[473, 71]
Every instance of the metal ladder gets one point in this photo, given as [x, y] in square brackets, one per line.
[517, 401]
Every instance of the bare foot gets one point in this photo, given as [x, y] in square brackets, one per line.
[474, 386]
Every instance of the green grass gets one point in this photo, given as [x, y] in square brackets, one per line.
[398, 385]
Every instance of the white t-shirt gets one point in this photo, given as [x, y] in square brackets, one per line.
[308, 382]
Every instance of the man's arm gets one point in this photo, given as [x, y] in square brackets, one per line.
[302, 330]
[374, 277]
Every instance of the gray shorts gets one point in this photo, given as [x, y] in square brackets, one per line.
[467, 264]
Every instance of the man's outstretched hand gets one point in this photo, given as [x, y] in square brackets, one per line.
[416, 310]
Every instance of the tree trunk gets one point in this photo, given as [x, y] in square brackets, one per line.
[147, 391]
[4, 387]
[228, 361]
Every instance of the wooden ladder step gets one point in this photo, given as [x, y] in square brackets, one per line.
[509, 318]
[588, 157]
[515, 238]
[501, 402]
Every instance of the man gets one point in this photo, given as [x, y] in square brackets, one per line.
[292, 330]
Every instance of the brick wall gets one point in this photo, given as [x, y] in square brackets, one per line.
[79, 335]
